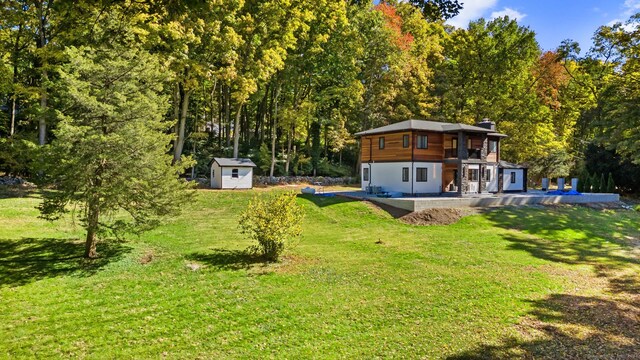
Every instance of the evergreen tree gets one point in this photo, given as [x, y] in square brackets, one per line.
[595, 183]
[611, 186]
[587, 182]
[110, 152]
[603, 184]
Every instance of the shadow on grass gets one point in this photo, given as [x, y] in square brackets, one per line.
[8, 192]
[323, 201]
[26, 260]
[225, 259]
[569, 326]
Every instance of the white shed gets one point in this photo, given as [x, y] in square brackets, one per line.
[514, 177]
[232, 173]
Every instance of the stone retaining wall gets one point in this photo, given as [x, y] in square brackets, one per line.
[286, 180]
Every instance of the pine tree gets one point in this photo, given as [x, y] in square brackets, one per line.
[603, 184]
[595, 183]
[587, 183]
[611, 186]
[110, 154]
[582, 180]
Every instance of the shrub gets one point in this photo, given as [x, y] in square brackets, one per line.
[273, 222]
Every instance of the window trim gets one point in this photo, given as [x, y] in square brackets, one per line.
[405, 141]
[426, 138]
[493, 149]
[405, 174]
[476, 171]
[426, 174]
[381, 143]
[235, 173]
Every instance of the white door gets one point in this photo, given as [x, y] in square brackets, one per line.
[474, 176]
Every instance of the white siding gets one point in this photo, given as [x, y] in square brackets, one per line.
[389, 177]
[506, 180]
[216, 176]
[492, 185]
[243, 181]
[222, 177]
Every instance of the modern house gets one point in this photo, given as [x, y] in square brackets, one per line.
[231, 173]
[421, 157]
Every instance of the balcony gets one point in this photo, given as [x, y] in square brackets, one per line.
[475, 153]
[453, 153]
[450, 153]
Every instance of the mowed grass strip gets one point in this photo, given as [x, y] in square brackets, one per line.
[358, 284]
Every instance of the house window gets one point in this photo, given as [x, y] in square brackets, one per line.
[381, 142]
[405, 141]
[513, 177]
[454, 147]
[365, 174]
[422, 142]
[473, 174]
[421, 174]
[493, 146]
[469, 143]
[487, 174]
[234, 173]
[405, 174]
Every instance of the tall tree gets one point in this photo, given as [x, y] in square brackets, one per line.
[110, 148]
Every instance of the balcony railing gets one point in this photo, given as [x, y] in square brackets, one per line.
[475, 153]
[450, 153]
[453, 153]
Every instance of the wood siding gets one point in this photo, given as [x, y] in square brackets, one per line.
[393, 150]
[439, 144]
[492, 157]
[448, 170]
[434, 150]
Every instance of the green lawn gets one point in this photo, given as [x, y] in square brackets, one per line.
[516, 282]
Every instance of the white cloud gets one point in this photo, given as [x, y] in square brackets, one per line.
[512, 14]
[614, 21]
[472, 10]
[631, 7]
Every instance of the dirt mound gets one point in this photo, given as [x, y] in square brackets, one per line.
[436, 216]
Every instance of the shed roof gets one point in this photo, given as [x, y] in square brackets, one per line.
[507, 165]
[429, 126]
[234, 162]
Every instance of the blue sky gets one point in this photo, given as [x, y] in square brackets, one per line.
[552, 20]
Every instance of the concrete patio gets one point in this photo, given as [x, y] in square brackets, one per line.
[481, 200]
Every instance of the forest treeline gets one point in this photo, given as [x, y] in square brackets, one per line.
[288, 82]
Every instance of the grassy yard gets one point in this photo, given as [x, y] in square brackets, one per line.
[541, 282]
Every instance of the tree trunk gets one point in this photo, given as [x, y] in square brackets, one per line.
[41, 43]
[42, 123]
[227, 115]
[286, 164]
[14, 98]
[273, 132]
[236, 131]
[182, 121]
[93, 217]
